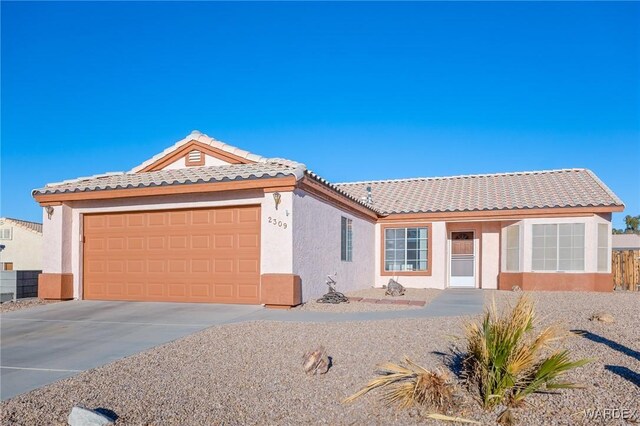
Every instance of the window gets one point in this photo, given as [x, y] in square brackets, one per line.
[558, 247]
[6, 234]
[6, 266]
[405, 249]
[513, 248]
[346, 240]
[603, 247]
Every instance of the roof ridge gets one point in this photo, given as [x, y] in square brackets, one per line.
[205, 139]
[532, 172]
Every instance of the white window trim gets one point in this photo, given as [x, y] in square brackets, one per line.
[519, 247]
[8, 231]
[558, 270]
[607, 247]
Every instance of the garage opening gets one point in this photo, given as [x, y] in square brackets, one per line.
[198, 255]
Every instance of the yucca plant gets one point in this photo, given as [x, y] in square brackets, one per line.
[506, 361]
[408, 384]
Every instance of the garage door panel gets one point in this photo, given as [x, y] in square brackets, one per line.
[204, 255]
[200, 242]
[156, 243]
[201, 265]
[156, 219]
[248, 216]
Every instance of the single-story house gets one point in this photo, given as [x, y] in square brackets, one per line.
[203, 221]
[22, 241]
[625, 242]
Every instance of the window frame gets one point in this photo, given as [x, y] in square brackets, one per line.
[383, 229]
[517, 249]
[346, 239]
[607, 247]
[558, 247]
[10, 232]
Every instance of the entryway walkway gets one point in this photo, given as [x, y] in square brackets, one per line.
[451, 303]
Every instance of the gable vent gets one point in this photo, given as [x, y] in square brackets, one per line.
[195, 158]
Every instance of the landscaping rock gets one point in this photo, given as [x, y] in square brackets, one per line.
[394, 288]
[80, 416]
[604, 317]
[316, 362]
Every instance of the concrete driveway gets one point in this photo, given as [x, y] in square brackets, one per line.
[47, 343]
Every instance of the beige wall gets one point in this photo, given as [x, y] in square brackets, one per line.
[316, 247]
[24, 249]
[490, 247]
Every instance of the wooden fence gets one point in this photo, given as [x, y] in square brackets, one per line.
[625, 265]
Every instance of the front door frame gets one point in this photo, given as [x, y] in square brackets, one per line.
[476, 257]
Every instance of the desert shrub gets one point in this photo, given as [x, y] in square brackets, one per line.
[506, 360]
[408, 384]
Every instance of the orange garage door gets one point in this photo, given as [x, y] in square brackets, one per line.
[203, 255]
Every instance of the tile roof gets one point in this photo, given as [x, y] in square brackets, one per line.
[25, 224]
[270, 169]
[522, 190]
[625, 242]
[207, 140]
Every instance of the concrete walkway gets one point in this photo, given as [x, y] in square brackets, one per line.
[47, 343]
[452, 302]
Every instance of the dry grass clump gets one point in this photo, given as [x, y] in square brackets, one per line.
[506, 361]
[408, 384]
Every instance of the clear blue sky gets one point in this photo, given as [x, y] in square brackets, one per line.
[356, 91]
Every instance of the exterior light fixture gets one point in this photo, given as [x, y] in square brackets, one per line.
[276, 198]
[49, 210]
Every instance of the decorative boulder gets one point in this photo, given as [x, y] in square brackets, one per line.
[604, 317]
[394, 288]
[316, 361]
[80, 416]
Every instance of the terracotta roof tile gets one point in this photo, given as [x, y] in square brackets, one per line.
[522, 190]
[25, 224]
[176, 177]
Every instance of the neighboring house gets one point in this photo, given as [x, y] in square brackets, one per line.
[23, 245]
[626, 242]
[206, 222]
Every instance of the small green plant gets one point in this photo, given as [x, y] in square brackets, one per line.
[506, 361]
[408, 384]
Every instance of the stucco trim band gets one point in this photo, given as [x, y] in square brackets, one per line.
[280, 290]
[55, 286]
[556, 281]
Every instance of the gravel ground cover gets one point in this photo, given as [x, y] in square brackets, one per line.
[251, 373]
[19, 304]
[422, 294]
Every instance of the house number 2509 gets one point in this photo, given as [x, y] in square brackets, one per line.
[277, 223]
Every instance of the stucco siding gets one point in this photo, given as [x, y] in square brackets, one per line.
[24, 249]
[490, 257]
[316, 247]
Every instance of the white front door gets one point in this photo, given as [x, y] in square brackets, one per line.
[463, 260]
